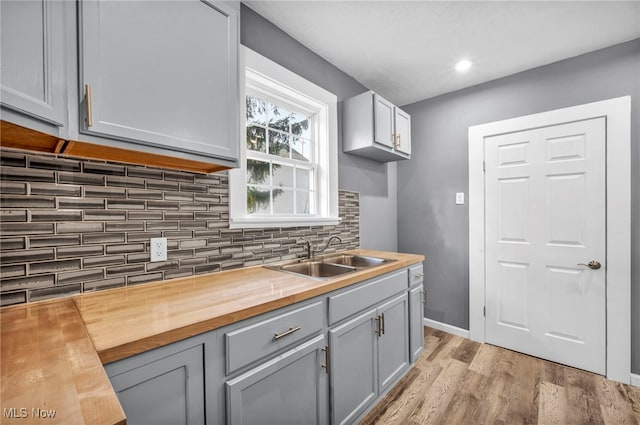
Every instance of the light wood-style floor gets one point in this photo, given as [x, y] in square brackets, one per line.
[458, 381]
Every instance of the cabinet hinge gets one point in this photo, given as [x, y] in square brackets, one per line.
[484, 167]
[484, 311]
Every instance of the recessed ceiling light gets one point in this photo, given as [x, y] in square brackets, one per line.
[463, 65]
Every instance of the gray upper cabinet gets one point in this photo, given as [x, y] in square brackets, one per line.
[375, 128]
[161, 74]
[33, 77]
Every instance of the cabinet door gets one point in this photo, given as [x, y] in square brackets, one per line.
[161, 73]
[32, 58]
[416, 327]
[353, 360]
[166, 391]
[383, 121]
[290, 389]
[393, 342]
[403, 131]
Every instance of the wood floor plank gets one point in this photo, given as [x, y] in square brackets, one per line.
[523, 406]
[398, 410]
[466, 351]
[552, 404]
[460, 382]
[581, 391]
[463, 407]
[615, 405]
[483, 361]
[444, 388]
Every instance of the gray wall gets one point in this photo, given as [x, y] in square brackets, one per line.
[430, 223]
[375, 182]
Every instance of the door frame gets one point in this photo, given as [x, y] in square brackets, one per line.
[617, 113]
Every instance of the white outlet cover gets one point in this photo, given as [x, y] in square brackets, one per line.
[460, 198]
[158, 248]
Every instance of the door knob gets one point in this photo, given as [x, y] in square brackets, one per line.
[593, 265]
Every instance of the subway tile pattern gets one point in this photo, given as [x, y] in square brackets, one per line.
[69, 226]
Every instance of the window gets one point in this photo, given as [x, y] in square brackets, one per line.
[288, 163]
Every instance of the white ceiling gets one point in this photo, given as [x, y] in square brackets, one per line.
[406, 50]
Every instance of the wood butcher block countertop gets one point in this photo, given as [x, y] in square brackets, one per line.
[53, 351]
[49, 366]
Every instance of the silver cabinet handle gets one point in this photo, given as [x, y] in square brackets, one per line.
[418, 275]
[593, 265]
[382, 330]
[285, 333]
[326, 359]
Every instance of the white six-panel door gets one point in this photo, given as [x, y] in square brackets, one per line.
[545, 215]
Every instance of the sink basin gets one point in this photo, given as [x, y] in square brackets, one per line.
[330, 266]
[317, 269]
[357, 260]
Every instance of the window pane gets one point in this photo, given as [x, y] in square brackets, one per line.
[300, 125]
[258, 200]
[302, 178]
[282, 201]
[278, 144]
[303, 202]
[256, 111]
[279, 118]
[257, 172]
[282, 175]
[300, 149]
[256, 139]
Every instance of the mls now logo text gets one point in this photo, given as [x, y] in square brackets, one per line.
[23, 413]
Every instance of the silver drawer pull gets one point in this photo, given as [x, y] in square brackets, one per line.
[418, 275]
[285, 333]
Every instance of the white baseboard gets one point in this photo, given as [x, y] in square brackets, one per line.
[446, 328]
[635, 380]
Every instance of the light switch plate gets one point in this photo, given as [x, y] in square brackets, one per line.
[460, 198]
[158, 249]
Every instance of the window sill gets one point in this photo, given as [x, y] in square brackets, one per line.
[282, 222]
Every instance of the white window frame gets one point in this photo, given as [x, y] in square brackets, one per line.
[263, 75]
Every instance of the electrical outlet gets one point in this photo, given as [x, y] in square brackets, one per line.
[460, 198]
[158, 249]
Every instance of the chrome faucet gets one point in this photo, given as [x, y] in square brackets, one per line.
[309, 247]
[336, 237]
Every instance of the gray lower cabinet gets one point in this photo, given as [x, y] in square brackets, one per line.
[416, 328]
[167, 391]
[324, 360]
[290, 389]
[33, 77]
[368, 354]
[166, 385]
[416, 311]
[161, 74]
[393, 342]
[354, 367]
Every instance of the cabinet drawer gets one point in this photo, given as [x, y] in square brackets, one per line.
[416, 275]
[350, 302]
[253, 342]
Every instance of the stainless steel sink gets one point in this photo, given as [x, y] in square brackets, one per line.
[317, 269]
[357, 260]
[329, 266]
